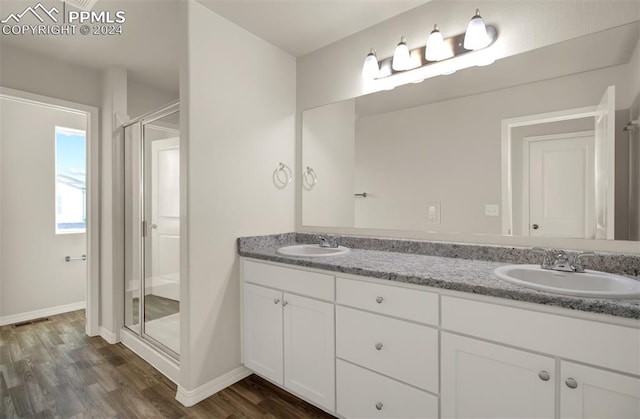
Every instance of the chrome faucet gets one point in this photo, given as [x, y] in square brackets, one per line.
[558, 260]
[326, 242]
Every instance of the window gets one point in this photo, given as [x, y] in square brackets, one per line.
[71, 181]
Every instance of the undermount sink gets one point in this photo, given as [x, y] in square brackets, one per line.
[311, 250]
[592, 284]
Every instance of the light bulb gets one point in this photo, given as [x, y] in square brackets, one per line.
[435, 50]
[401, 57]
[371, 68]
[476, 36]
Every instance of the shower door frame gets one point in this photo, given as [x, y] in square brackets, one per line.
[142, 223]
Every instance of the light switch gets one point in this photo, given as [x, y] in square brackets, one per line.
[433, 212]
[491, 210]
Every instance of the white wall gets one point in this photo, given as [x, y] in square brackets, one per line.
[48, 76]
[238, 110]
[450, 152]
[34, 273]
[142, 98]
[329, 146]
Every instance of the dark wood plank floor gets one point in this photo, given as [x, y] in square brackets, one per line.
[52, 369]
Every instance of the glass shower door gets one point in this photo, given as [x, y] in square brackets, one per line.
[161, 149]
[152, 229]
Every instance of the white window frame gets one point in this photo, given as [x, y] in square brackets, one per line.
[69, 131]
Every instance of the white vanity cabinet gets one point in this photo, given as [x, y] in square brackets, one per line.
[588, 392]
[387, 350]
[289, 338]
[494, 380]
[367, 348]
[481, 379]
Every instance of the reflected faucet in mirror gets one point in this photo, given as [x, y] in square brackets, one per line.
[325, 241]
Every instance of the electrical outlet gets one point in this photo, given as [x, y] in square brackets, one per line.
[433, 212]
[491, 210]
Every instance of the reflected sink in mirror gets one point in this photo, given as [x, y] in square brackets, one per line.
[591, 284]
[311, 250]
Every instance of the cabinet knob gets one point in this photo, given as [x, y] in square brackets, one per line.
[535, 226]
[379, 406]
[544, 376]
[276, 300]
[378, 346]
[571, 383]
[379, 300]
[284, 303]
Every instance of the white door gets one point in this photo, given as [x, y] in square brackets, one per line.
[559, 185]
[309, 349]
[605, 165]
[262, 328]
[484, 380]
[165, 218]
[42, 210]
[593, 393]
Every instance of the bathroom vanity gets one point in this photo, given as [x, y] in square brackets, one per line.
[374, 333]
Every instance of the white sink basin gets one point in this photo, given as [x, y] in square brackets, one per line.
[312, 250]
[592, 284]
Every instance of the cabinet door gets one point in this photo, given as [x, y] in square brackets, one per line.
[484, 380]
[593, 393]
[309, 349]
[262, 328]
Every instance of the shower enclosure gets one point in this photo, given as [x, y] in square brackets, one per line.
[152, 228]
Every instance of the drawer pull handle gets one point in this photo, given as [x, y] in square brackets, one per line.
[379, 300]
[571, 383]
[276, 300]
[544, 376]
[379, 406]
[378, 346]
[284, 303]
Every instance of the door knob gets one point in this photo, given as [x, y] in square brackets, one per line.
[535, 226]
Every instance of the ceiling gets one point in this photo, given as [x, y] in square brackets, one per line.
[149, 45]
[301, 26]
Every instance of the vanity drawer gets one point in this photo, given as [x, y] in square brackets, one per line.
[402, 350]
[365, 394]
[297, 281]
[411, 304]
[592, 342]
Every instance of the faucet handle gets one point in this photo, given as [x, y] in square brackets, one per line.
[577, 263]
[546, 253]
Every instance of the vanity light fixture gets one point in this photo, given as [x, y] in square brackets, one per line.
[439, 56]
[401, 57]
[476, 36]
[371, 67]
[435, 50]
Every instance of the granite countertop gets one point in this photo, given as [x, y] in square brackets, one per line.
[458, 274]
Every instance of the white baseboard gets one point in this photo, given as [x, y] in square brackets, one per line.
[44, 312]
[163, 363]
[190, 397]
[108, 335]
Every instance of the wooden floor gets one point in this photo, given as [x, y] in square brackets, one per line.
[52, 369]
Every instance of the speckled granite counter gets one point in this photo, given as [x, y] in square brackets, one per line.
[452, 273]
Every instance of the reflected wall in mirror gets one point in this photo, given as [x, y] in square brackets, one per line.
[524, 147]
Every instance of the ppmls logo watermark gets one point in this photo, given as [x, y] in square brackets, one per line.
[38, 20]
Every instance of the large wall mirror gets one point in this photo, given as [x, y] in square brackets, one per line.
[537, 144]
